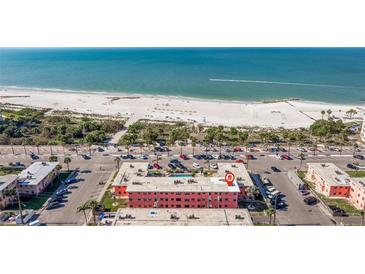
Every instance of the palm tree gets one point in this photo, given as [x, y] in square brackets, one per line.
[314, 149]
[301, 157]
[329, 112]
[53, 158]
[253, 192]
[323, 112]
[67, 161]
[193, 143]
[181, 144]
[355, 147]
[117, 161]
[83, 208]
[14, 193]
[271, 212]
[93, 205]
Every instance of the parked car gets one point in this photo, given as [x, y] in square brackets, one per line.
[144, 157]
[310, 200]
[358, 156]
[358, 166]
[237, 149]
[239, 161]
[85, 157]
[250, 157]
[53, 205]
[213, 166]
[336, 211]
[351, 166]
[197, 156]
[183, 156]
[275, 169]
[71, 181]
[196, 165]
[304, 192]
[157, 166]
[56, 199]
[33, 156]
[286, 157]
[172, 166]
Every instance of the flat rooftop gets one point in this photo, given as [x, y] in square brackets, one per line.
[134, 176]
[6, 180]
[359, 181]
[331, 174]
[36, 172]
[182, 217]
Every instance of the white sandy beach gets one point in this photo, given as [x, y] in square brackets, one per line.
[293, 114]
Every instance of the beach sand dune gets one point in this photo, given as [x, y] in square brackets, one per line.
[272, 115]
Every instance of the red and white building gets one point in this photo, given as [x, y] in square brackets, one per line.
[144, 191]
[357, 193]
[329, 180]
[333, 182]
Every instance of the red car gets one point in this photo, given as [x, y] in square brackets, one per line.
[285, 157]
[183, 156]
[250, 156]
[237, 149]
[157, 166]
[239, 161]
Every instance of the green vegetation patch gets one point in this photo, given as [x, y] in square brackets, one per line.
[112, 203]
[356, 173]
[32, 127]
[5, 170]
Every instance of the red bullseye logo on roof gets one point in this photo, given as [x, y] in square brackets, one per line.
[229, 178]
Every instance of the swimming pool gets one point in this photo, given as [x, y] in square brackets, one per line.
[181, 175]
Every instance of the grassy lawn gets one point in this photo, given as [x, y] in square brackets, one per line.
[356, 173]
[112, 204]
[5, 170]
[37, 202]
[340, 203]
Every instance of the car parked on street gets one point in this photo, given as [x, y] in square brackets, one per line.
[359, 156]
[310, 200]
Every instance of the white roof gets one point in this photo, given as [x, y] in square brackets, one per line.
[360, 182]
[134, 176]
[6, 180]
[331, 174]
[36, 172]
[162, 216]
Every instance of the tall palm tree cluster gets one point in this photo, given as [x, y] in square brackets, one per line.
[89, 205]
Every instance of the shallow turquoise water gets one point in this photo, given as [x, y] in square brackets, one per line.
[317, 74]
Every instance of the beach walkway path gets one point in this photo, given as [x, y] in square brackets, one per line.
[119, 134]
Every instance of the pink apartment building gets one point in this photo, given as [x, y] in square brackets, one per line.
[357, 193]
[143, 191]
[329, 180]
[333, 182]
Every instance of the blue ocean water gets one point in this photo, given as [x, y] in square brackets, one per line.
[334, 75]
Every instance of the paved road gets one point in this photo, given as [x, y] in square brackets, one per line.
[297, 212]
